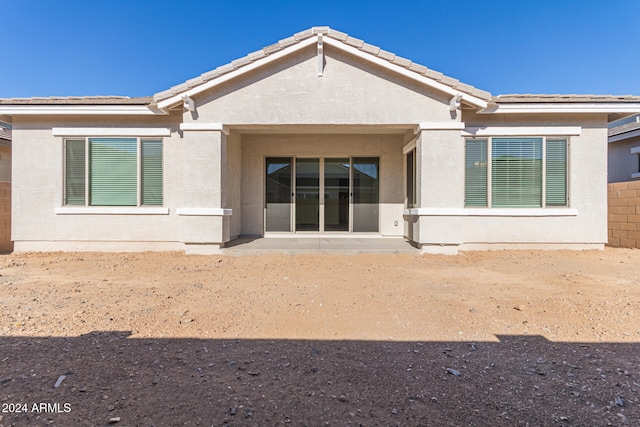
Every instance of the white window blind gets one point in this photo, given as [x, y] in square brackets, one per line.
[476, 172]
[556, 184]
[516, 172]
[113, 171]
[74, 189]
[151, 171]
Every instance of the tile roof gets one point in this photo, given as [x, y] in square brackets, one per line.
[328, 32]
[562, 98]
[5, 133]
[624, 128]
[78, 100]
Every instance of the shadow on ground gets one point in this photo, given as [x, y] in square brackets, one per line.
[520, 380]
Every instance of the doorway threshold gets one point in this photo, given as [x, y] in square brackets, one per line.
[326, 235]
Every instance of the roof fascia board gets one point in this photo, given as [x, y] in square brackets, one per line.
[608, 107]
[176, 99]
[31, 110]
[405, 72]
[497, 212]
[625, 135]
[410, 145]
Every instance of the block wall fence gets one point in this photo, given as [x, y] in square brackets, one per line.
[6, 245]
[624, 214]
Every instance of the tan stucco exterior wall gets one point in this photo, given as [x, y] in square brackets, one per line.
[350, 92]
[214, 167]
[38, 181]
[477, 228]
[233, 189]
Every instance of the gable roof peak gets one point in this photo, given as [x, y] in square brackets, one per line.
[172, 95]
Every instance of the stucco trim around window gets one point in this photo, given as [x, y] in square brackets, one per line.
[104, 210]
[522, 131]
[500, 212]
[82, 132]
[203, 212]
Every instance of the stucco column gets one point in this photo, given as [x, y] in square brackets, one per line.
[204, 217]
[440, 169]
[439, 184]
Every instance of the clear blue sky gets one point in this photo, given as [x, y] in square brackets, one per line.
[138, 48]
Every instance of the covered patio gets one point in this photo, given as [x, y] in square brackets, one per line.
[315, 244]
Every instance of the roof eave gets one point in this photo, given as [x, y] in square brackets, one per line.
[40, 109]
[626, 135]
[554, 108]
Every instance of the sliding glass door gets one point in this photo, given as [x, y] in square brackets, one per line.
[278, 194]
[307, 194]
[322, 194]
[336, 194]
[365, 201]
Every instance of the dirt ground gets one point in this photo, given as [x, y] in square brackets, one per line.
[512, 338]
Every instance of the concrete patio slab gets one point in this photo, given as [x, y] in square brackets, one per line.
[333, 245]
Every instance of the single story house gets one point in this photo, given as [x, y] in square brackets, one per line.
[318, 134]
[624, 149]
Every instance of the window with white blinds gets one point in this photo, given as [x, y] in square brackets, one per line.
[522, 172]
[113, 172]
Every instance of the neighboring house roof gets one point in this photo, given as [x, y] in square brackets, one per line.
[625, 127]
[5, 134]
[562, 98]
[629, 128]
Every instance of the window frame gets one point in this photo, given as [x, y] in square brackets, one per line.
[87, 173]
[411, 181]
[544, 172]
